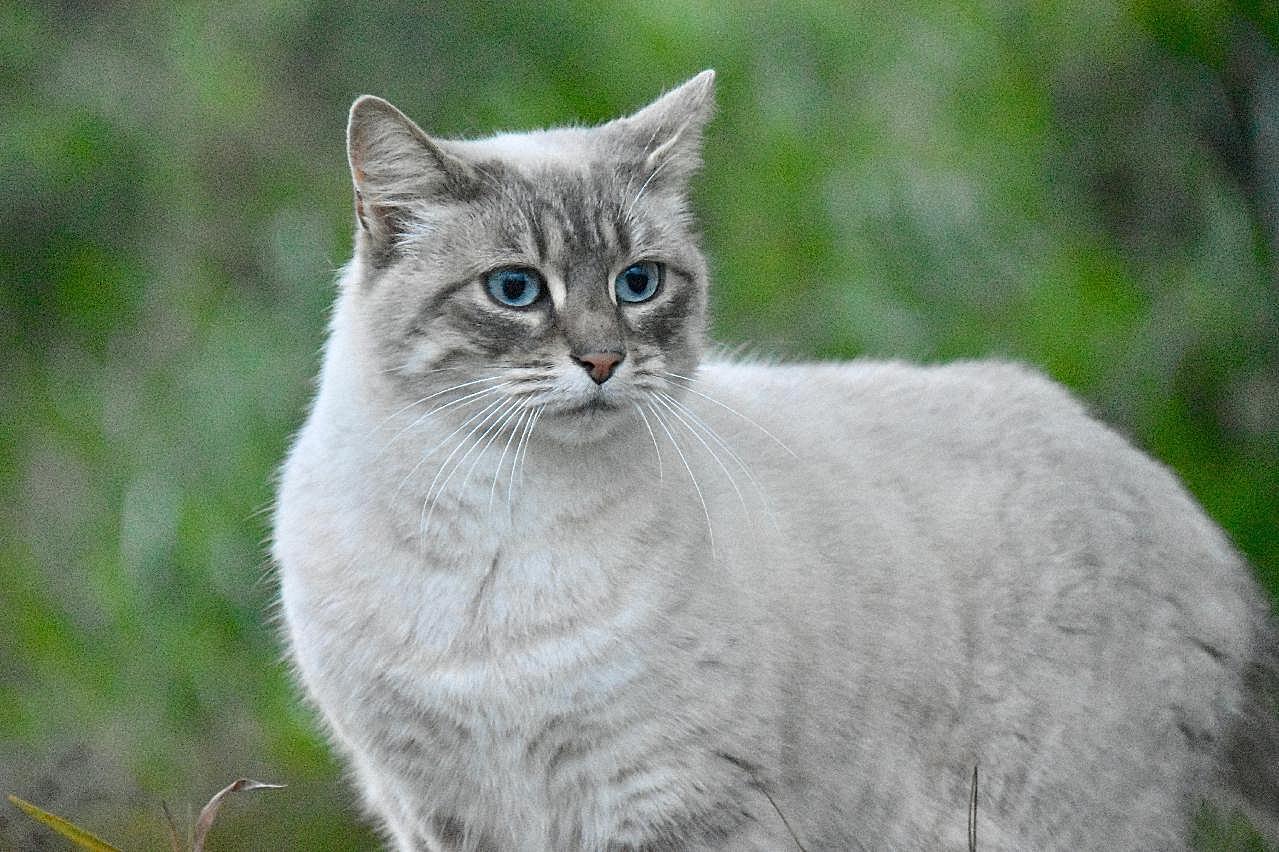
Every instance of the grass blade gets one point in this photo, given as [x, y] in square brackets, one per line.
[972, 815]
[67, 829]
[174, 843]
[785, 821]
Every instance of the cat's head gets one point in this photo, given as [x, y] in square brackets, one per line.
[560, 264]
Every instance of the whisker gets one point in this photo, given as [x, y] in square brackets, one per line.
[496, 429]
[486, 424]
[631, 179]
[736, 457]
[643, 187]
[731, 481]
[708, 429]
[420, 372]
[537, 415]
[515, 461]
[526, 412]
[441, 407]
[710, 534]
[400, 411]
[425, 515]
[714, 436]
[656, 449]
[729, 409]
[442, 442]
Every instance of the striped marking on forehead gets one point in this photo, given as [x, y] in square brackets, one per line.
[548, 231]
[574, 217]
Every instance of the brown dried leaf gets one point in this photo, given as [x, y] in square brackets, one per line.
[210, 811]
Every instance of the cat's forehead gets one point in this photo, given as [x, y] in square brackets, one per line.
[557, 193]
[563, 214]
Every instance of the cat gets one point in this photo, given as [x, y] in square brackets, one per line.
[558, 580]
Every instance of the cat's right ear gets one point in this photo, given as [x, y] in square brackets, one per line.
[667, 134]
[396, 168]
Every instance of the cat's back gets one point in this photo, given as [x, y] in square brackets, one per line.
[948, 430]
[986, 477]
[966, 408]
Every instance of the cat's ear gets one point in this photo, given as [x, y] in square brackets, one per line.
[396, 167]
[667, 134]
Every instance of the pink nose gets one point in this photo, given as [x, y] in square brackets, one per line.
[599, 364]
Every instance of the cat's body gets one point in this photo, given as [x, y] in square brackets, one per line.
[712, 599]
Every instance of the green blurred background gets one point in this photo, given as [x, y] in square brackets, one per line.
[1089, 187]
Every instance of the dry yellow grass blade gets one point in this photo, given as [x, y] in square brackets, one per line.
[69, 830]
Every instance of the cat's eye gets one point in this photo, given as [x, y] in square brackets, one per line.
[638, 282]
[514, 286]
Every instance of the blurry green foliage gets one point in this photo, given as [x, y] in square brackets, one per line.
[1080, 185]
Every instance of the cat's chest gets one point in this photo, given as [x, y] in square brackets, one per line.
[512, 626]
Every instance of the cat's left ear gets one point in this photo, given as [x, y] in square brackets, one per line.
[667, 134]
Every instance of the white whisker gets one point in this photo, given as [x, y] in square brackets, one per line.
[729, 409]
[687, 425]
[496, 429]
[656, 449]
[710, 534]
[708, 429]
[643, 187]
[515, 461]
[519, 421]
[429, 396]
[631, 179]
[402, 367]
[537, 415]
[426, 455]
[432, 498]
[441, 407]
[487, 425]
[714, 436]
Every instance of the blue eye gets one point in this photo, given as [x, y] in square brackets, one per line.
[638, 282]
[514, 286]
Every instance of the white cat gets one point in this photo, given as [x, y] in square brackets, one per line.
[557, 583]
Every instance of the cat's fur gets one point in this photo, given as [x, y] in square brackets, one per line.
[534, 625]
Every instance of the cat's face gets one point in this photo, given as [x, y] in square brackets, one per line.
[556, 270]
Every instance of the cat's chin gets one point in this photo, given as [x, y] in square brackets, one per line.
[588, 421]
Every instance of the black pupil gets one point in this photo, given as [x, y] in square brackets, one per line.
[513, 286]
[636, 280]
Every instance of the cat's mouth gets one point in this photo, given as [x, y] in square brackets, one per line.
[591, 406]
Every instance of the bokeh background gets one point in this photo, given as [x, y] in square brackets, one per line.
[1091, 187]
